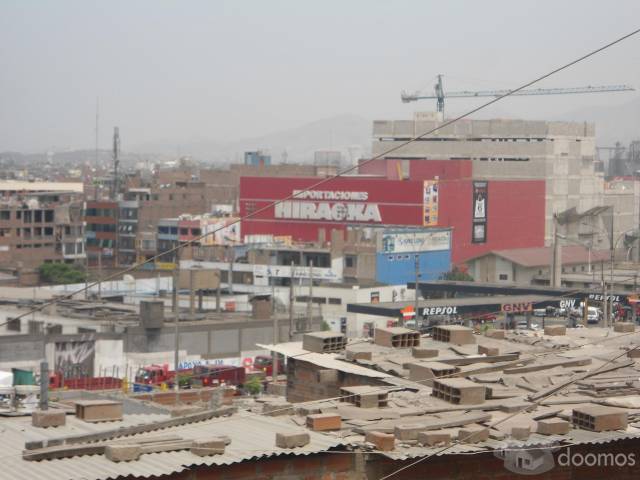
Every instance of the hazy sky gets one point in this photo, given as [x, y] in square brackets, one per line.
[216, 70]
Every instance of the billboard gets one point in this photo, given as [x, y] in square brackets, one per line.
[336, 204]
[430, 203]
[221, 231]
[416, 241]
[480, 205]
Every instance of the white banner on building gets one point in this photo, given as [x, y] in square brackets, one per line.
[415, 241]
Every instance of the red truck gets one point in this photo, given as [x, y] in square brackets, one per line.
[264, 363]
[199, 376]
[158, 374]
[212, 375]
[57, 380]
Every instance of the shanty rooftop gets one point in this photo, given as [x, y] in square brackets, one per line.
[536, 390]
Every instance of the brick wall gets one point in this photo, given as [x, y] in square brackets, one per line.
[347, 466]
[337, 466]
[304, 381]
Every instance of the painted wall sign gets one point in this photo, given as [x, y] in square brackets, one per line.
[333, 212]
[480, 205]
[430, 202]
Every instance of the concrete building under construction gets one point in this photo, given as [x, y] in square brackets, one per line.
[563, 154]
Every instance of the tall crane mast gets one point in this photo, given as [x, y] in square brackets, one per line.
[439, 95]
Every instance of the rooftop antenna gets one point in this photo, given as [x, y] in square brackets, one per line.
[116, 161]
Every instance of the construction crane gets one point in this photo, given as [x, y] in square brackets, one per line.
[439, 94]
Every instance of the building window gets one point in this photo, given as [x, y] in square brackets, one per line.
[539, 272]
[335, 301]
[503, 276]
[5, 215]
[350, 261]
[573, 269]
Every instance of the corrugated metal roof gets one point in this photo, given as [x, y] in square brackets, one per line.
[324, 360]
[252, 436]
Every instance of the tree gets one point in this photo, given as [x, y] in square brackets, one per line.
[253, 385]
[457, 274]
[61, 273]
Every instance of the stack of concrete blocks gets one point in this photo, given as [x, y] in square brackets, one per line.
[488, 351]
[497, 334]
[292, 439]
[94, 411]
[459, 391]
[324, 342]
[364, 396]
[555, 330]
[599, 418]
[423, 352]
[456, 334]
[624, 327]
[355, 355]
[396, 337]
[427, 370]
[322, 422]
[384, 442]
[48, 418]
[553, 426]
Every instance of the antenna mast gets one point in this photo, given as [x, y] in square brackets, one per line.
[116, 162]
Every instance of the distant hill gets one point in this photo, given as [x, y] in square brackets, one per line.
[350, 134]
[613, 123]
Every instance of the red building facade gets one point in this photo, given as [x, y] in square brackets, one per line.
[484, 215]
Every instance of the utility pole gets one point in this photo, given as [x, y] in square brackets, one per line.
[97, 124]
[176, 317]
[231, 255]
[276, 332]
[634, 306]
[291, 304]
[116, 162]
[100, 273]
[612, 257]
[556, 260]
[417, 296]
[309, 321]
[44, 385]
[192, 295]
[605, 316]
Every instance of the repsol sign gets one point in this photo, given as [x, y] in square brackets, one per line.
[333, 212]
[439, 311]
[610, 298]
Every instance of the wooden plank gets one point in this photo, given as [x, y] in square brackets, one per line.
[548, 391]
[570, 362]
[508, 357]
[455, 420]
[127, 431]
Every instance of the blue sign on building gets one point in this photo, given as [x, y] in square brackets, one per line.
[396, 259]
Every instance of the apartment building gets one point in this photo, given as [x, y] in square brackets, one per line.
[39, 227]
